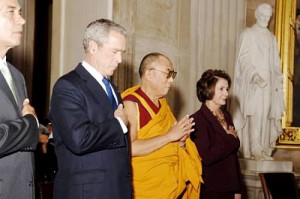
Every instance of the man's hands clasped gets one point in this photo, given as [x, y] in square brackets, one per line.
[181, 130]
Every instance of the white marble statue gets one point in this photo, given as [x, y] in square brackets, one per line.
[257, 103]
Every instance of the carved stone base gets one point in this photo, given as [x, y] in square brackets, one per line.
[250, 169]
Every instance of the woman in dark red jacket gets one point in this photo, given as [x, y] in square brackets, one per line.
[216, 138]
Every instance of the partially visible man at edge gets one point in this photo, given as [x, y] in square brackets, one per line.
[18, 122]
[165, 162]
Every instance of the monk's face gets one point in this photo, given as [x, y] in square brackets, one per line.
[163, 74]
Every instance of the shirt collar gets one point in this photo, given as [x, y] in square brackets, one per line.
[98, 76]
[2, 62]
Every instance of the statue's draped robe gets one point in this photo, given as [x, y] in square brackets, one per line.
[257, 107]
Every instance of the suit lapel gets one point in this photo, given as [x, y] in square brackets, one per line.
[213, 120]
[117, 92]
[6, 90]
[93, 86]
[19, 85]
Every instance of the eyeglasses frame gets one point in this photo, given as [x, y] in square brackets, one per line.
[170, 74]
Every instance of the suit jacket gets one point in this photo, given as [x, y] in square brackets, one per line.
[218, 150]
[91, 148]
[18, 136]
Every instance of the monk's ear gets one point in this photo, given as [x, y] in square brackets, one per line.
[148, 74]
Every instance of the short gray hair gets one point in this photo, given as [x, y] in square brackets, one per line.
[98, 31]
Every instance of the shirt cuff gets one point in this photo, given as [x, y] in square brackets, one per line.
[37, 121]
[124, 127]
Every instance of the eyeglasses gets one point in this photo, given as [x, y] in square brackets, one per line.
[170, 74]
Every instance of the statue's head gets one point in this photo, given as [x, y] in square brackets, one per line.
[263, 13]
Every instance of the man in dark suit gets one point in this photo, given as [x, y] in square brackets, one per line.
[18, 123]
[90, 133]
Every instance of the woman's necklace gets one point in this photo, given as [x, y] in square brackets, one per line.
[217, 112]
[220, 117]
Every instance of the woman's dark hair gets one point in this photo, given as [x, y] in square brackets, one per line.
[207, 83]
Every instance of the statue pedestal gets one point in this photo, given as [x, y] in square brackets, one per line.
[250, 169]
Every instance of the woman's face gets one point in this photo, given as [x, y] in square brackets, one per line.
[221, 92]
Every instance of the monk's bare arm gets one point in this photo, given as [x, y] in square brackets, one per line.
[141, 147]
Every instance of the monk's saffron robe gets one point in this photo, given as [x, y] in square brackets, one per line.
[168, 171]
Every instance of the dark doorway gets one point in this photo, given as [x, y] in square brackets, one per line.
[42, 58]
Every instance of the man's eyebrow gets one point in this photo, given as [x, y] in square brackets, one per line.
[10, 7]
[13, 7]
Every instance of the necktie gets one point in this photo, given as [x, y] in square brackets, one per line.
[7, 75]
[109, 93]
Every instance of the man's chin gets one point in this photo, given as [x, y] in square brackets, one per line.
[112, 71]
[15, 43]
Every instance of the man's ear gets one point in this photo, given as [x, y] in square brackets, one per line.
[93, 46]
[148, 74]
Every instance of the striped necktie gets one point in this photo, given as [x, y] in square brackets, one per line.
[7, 75]
[109, 93]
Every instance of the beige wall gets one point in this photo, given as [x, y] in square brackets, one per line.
[215, 31]
[70, 18]
[153, 25]
[195, 34]
[157, 26]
